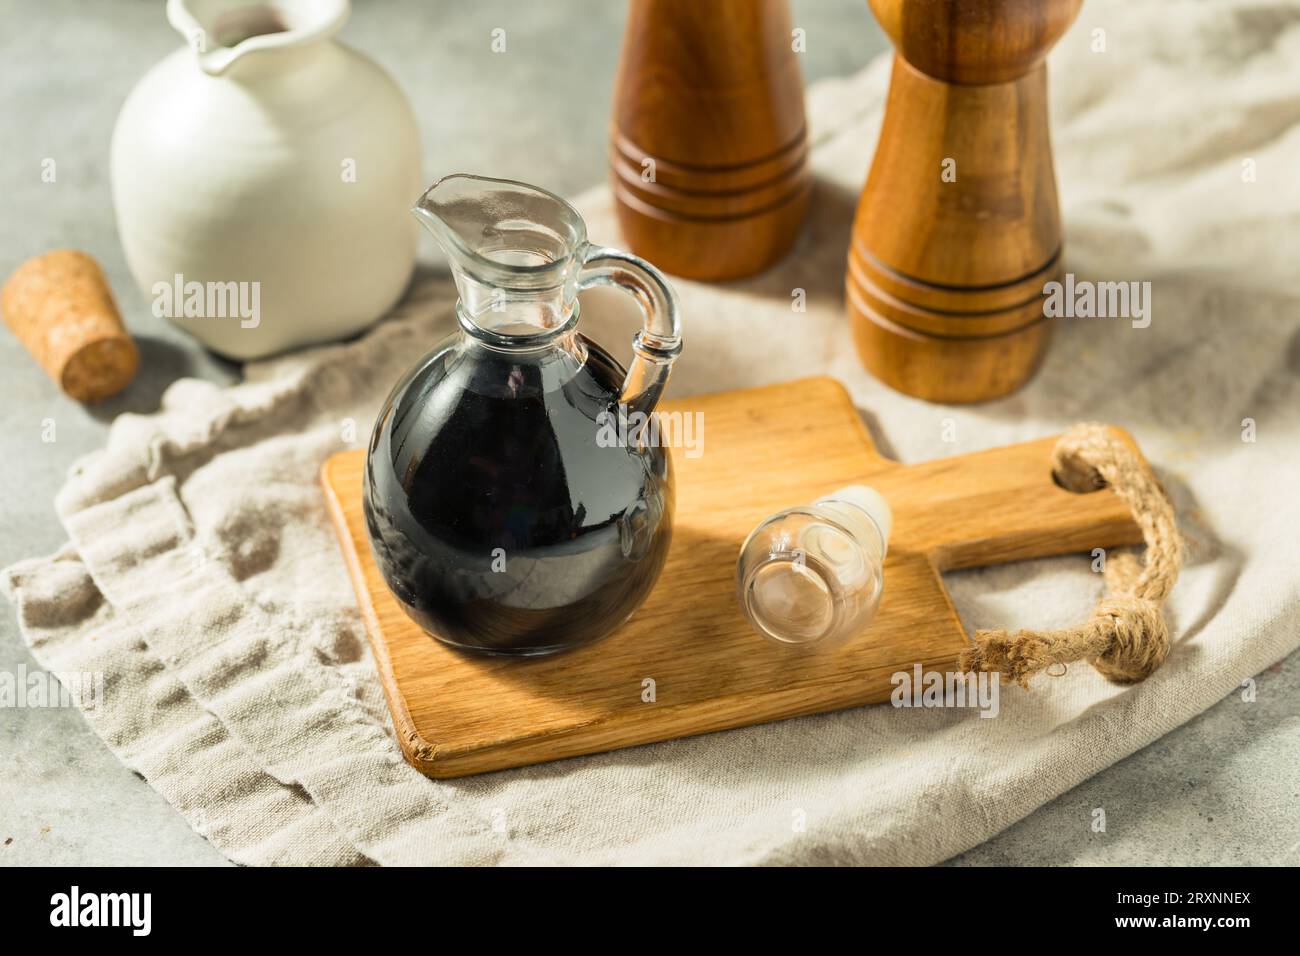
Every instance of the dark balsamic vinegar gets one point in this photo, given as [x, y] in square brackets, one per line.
[497, 516]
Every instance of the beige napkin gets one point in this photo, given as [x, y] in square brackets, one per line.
[203, 580]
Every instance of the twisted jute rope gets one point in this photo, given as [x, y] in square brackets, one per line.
[1126, 638]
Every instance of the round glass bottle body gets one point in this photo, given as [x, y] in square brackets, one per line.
[500, 515]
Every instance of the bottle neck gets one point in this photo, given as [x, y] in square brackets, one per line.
[516, 326]
[870, 502]
[858, 521]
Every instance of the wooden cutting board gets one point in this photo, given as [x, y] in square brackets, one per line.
[764, 449]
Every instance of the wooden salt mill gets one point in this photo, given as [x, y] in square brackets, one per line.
[958, 228]
[708, 145]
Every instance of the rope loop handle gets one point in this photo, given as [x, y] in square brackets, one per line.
[1127, 637]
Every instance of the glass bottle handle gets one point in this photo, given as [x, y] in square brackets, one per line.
[659, 342]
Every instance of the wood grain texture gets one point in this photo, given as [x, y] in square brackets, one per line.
[708, 147]
[936, 261]
[764, 450]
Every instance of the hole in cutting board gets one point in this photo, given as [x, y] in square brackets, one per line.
[1098, 486]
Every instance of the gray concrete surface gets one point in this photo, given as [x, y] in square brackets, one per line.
[1212, 792]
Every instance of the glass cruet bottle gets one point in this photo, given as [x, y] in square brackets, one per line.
[497, 514]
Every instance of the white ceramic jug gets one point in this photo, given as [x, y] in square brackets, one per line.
[263, 177]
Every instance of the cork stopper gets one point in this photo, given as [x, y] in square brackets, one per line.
[60, 307]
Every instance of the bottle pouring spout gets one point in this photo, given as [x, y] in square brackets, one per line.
[513, 250]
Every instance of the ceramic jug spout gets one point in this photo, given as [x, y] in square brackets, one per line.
[520, 256]
[222, 32]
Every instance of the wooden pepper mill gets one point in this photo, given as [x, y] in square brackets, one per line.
[958, 227]
[708, 146]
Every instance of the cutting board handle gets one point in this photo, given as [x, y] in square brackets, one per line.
[1003, 505]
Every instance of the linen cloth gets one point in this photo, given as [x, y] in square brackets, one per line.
[203, 578]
